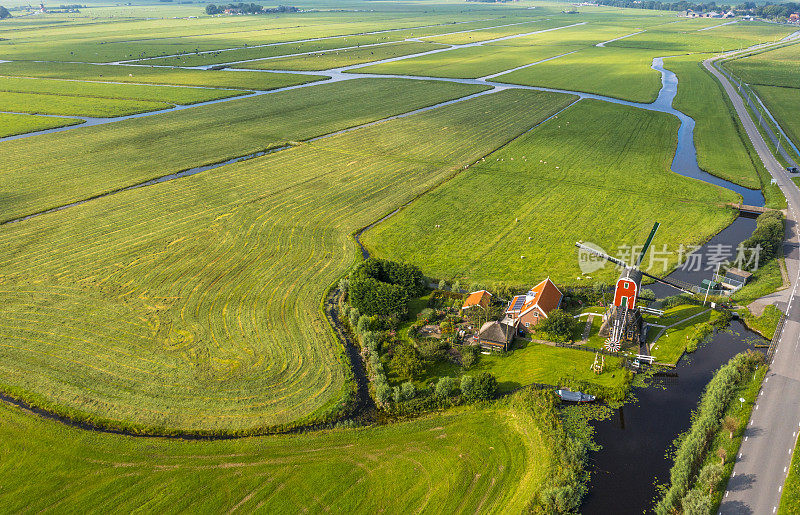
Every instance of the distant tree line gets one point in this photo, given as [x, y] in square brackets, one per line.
[249, 9]
[768, 10]
[4, 13]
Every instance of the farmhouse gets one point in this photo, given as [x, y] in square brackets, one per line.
[494, 335]
[480, 298]
[525, 311]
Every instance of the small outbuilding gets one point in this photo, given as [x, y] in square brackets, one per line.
[735, 278]
[496, 336]
[480, 298]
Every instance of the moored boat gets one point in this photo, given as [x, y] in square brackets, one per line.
[570, 396]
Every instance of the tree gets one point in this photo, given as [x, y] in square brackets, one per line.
[4, 13]
[213, 9]
[383, 392]
[710, 476]
[559, 325]
[456, 287]
[730, 424]
[442, 284]
[722, 454]
[697, 502]
[406, 361]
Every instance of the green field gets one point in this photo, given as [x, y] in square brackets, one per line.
[13, 124]
[35, 103]
[204, 292]
[700, 97]
[338, 58]
[598, 173]
[538, 363]
[779, 67]
[717, 39]
[487, 461]
[259, 123]
[614, 72]
[784, 104]
[470, 62]
[168, 76]
[175, 95]
[475, 36]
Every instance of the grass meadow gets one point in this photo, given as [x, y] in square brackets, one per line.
[614, 72]
[36, 103]
[471, 460]
[784, 104]
[13, 124]
[192, 137]
[779, 67]
[103, 90]
[700, 97]
[470, 62]
[598, 172]
[338, 58]
[204, 293]
[168, 76]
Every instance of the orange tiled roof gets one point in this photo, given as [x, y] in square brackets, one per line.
[476, 298]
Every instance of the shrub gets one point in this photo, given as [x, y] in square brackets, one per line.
[559, 325]
[445, 387]
[406, 361]
[408, 391]
[383, 392]
[469, 354]
[697, 502]
[468, 387]
[647, 294]
[442, 284]
[710, 476]
[485, 386]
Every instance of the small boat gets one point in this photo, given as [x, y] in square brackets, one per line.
[567, 395]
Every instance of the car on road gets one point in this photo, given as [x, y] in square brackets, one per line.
[792, 169]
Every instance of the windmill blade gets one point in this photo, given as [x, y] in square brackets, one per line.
[597, 253]
[683, 288]
[647, 244]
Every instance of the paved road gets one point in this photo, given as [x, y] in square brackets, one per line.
[761, 467]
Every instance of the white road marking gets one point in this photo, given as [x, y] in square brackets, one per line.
[726, 494]
[745, 438]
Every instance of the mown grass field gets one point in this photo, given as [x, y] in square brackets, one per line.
[700, 97]
[176, 95]
[168, 76]
[538, 363]
[13, 124]
[140, 38]
[614, 72]
[475, 36]
[784, 104]
[338, 58]
[598, 173]
[36, 103]
[463, 461]
[204, 292]
[779, 67]
[470, 62]
[197, 136]
[714, 38]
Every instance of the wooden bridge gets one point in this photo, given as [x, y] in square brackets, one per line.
[744, 208]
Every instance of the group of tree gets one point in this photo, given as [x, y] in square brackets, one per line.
[765, 242]
[780, 11]
[249, 9]
[559, 325]
[384, 288]
[4, 13]
[777, 11]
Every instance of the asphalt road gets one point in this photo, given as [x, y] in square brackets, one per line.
[764, 457]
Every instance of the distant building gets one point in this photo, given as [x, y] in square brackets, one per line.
[525, 311]
[794, 17]
[480, 298]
